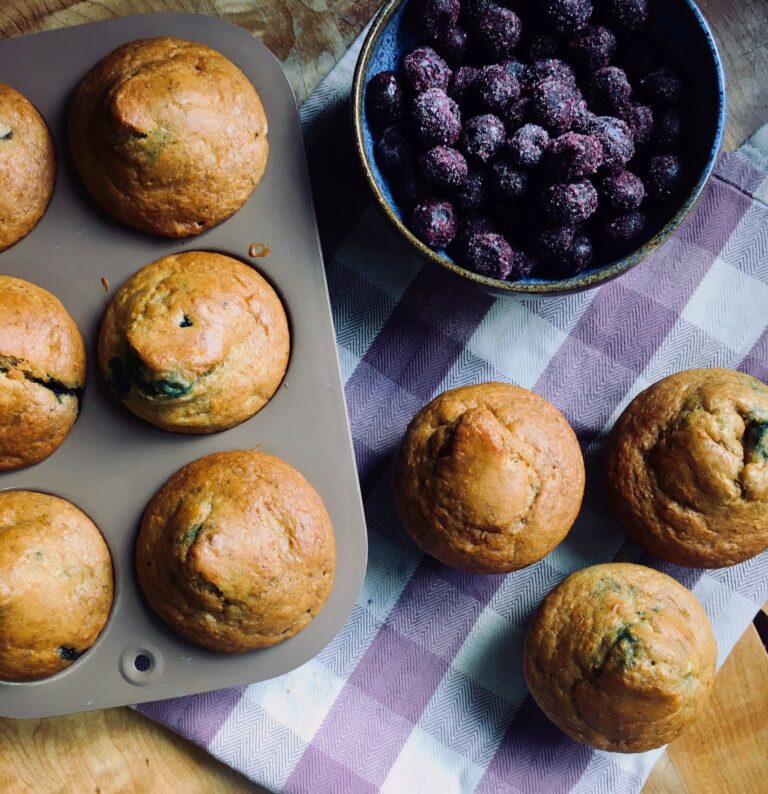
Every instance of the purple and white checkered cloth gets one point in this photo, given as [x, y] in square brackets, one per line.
[422, 690]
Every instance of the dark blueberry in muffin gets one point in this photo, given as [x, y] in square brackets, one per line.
[516, 114]
[521, 72]
[552, 69]
[667, 136]
[434, 222]
[488, 254]
[472, 194]
[435, 14]
[444, 166]
[567, 15]
[640, 120]
[629, 15]
[424, 69]
[570, 203]
[622, 191]
[662, 87]
[616, 139]
[592, 47]
[437, 118]
[394, 151]
[507, 181]
[664, 176]
[573, 156]
[483, 137]
[544, 45]
[553, 105]
[412, 187]
[384, 99]
[462, 81]
[608, 90]
[451, 43]
[626, 229]
[495, 88]
[474, 223]
[499, 29]
[554, 243]
[527, 145]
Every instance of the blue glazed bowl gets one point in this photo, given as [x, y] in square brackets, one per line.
[676, 26]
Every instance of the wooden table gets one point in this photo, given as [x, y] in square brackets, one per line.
[119, 750]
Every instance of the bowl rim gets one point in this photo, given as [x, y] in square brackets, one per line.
[559, 286]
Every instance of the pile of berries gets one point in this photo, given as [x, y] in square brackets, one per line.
[531, 137]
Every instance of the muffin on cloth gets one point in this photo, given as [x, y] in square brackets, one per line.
[27, 166]
[488, 478]
[168, 135]
[236, 551]
[620, 657]
[195, 342]
[687, 468]
[42, 373]
[55, 584]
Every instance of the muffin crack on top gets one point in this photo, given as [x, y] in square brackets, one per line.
[11, 367]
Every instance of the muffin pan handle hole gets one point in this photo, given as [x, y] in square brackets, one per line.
[139, 666]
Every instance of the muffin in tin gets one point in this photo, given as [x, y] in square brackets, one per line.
[195, 342]
[42, 373]
[56, 584]
[168, 135]
[236, 551]
[489, 478]
[621, 657]
[687, 468]
[27, 166]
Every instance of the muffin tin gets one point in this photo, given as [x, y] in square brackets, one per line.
[112, 463]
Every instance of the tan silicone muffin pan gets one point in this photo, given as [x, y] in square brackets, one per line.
[112, 463]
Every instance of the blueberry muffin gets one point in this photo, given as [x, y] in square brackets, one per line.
[236, 551]
[42, 373]
[55, 584]
[488, 478]
[27, 166]
[195, 342]
[168, 136]
[620, 657]
[687, 468]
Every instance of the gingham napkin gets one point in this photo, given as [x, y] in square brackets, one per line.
[423, 691]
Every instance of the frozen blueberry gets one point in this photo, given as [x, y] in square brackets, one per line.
[622, 191]
[499, 29]
[444, 166]
[573, 156]
[544, 45]
[608, 90]
[435, 14]
[553, 105]
[412, 187]
[423, 69]
[483, 137]
[667, 135]
[495, 88]
[508, 181]
[521, 72]
[472, 194]
[527, 145]
[625, 229]
[474, 223]
[592, 47]
[662, 87]
[570, 203]
[552, 69]
[515, 114]
[640, 120]
[554, 243]
[523, 264]
[394, 151]
[473, 10]
[384, 99]
[627, 14]
[451, 43]
[581, 253]
[462, 81]
[489, 255]
[567, 15]
[437, 118]
[434, 222]
[664, 176]
[616, 139]
[584, 118]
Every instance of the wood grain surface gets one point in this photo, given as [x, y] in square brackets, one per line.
[118, 751]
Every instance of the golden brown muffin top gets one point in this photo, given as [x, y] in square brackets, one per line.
[236, 551]
[620, 657]
[489, 478]
[27, 166]
[168, 135]
[687, 467]
[55, 584]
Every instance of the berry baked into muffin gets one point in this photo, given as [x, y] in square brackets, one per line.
[27, 166]
[620, 657]
[168, 135]
[687, 468]
[488, 478]
[195, 343]
[236, 551]
[55, 584]
[42, 373]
